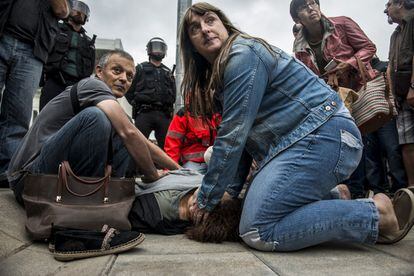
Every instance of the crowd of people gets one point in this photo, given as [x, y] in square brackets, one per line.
[270, 124]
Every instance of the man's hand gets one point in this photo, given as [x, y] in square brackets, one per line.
[149, 179]
[60, 8]
[341, 68]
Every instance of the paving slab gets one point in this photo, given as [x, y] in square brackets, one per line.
[179, 244]
[235, 263]
[8, 245]
[37, 260]
[403, 249]
[336, 259]
[12, 217]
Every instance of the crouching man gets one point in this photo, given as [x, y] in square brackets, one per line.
[79, 125]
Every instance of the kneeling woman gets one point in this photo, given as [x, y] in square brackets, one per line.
[278, 112]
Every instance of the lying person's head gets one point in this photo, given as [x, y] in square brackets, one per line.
[117, 69]
[221, 225]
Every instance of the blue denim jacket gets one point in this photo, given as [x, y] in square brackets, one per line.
[270, 101]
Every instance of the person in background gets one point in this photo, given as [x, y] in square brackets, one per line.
[73, 56]
[384, 167]
[152, 93]
[27, 33]
[401, 74]
[189, 137]
[332, 45]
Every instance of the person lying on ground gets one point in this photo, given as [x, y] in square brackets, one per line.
[162, 207]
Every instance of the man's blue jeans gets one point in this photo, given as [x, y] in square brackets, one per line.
[284, 210]
[84, 142]
[20, 73]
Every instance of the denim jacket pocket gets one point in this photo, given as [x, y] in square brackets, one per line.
[349, 156]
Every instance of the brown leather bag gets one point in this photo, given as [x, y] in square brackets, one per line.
[70, 201]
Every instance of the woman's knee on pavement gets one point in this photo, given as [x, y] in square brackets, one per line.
[252, 239]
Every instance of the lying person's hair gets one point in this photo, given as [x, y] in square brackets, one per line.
[221, 225]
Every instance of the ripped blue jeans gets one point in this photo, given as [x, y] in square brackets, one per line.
[284, 208]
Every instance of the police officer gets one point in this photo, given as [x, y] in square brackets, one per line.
[73, 56]
[152, 93]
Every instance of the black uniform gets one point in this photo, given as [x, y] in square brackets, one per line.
[152, 96]
[72, 59]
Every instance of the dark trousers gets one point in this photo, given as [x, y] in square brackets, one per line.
[153, 120]
[51, 89]
[381, 150]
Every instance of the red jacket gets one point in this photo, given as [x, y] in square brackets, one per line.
[343, 41]
[188, 137]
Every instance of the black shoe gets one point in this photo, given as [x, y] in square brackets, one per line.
[76, 244]
[4, 183]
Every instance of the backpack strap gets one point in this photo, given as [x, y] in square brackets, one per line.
[76, 109]
[74, 98]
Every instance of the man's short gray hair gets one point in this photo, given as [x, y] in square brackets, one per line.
[103, 61]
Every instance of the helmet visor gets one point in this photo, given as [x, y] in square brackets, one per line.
[81, 7]
[157, 47]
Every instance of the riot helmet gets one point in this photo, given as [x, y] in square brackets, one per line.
[82, 8]
[156, 48]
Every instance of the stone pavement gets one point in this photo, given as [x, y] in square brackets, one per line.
[176, 255]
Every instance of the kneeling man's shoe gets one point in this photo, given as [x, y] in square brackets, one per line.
[77, 244]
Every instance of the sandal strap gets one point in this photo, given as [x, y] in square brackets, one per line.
[105, 228]
[107, 239]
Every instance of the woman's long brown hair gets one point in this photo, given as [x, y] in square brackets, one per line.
[201, 79]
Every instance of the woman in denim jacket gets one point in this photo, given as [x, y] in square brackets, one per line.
[276, 111]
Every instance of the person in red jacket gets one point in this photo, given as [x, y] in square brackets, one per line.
[188, 138]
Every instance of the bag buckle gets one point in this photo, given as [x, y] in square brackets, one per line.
[58, 198]
[106, 200]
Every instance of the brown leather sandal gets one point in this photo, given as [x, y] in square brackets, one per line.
[403, 203]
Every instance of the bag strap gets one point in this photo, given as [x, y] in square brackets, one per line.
[362, 71]
[76, 109]
[65, 171]
[74, 98]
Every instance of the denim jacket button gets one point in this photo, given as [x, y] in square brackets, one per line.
[328, 108]
[333, 103]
